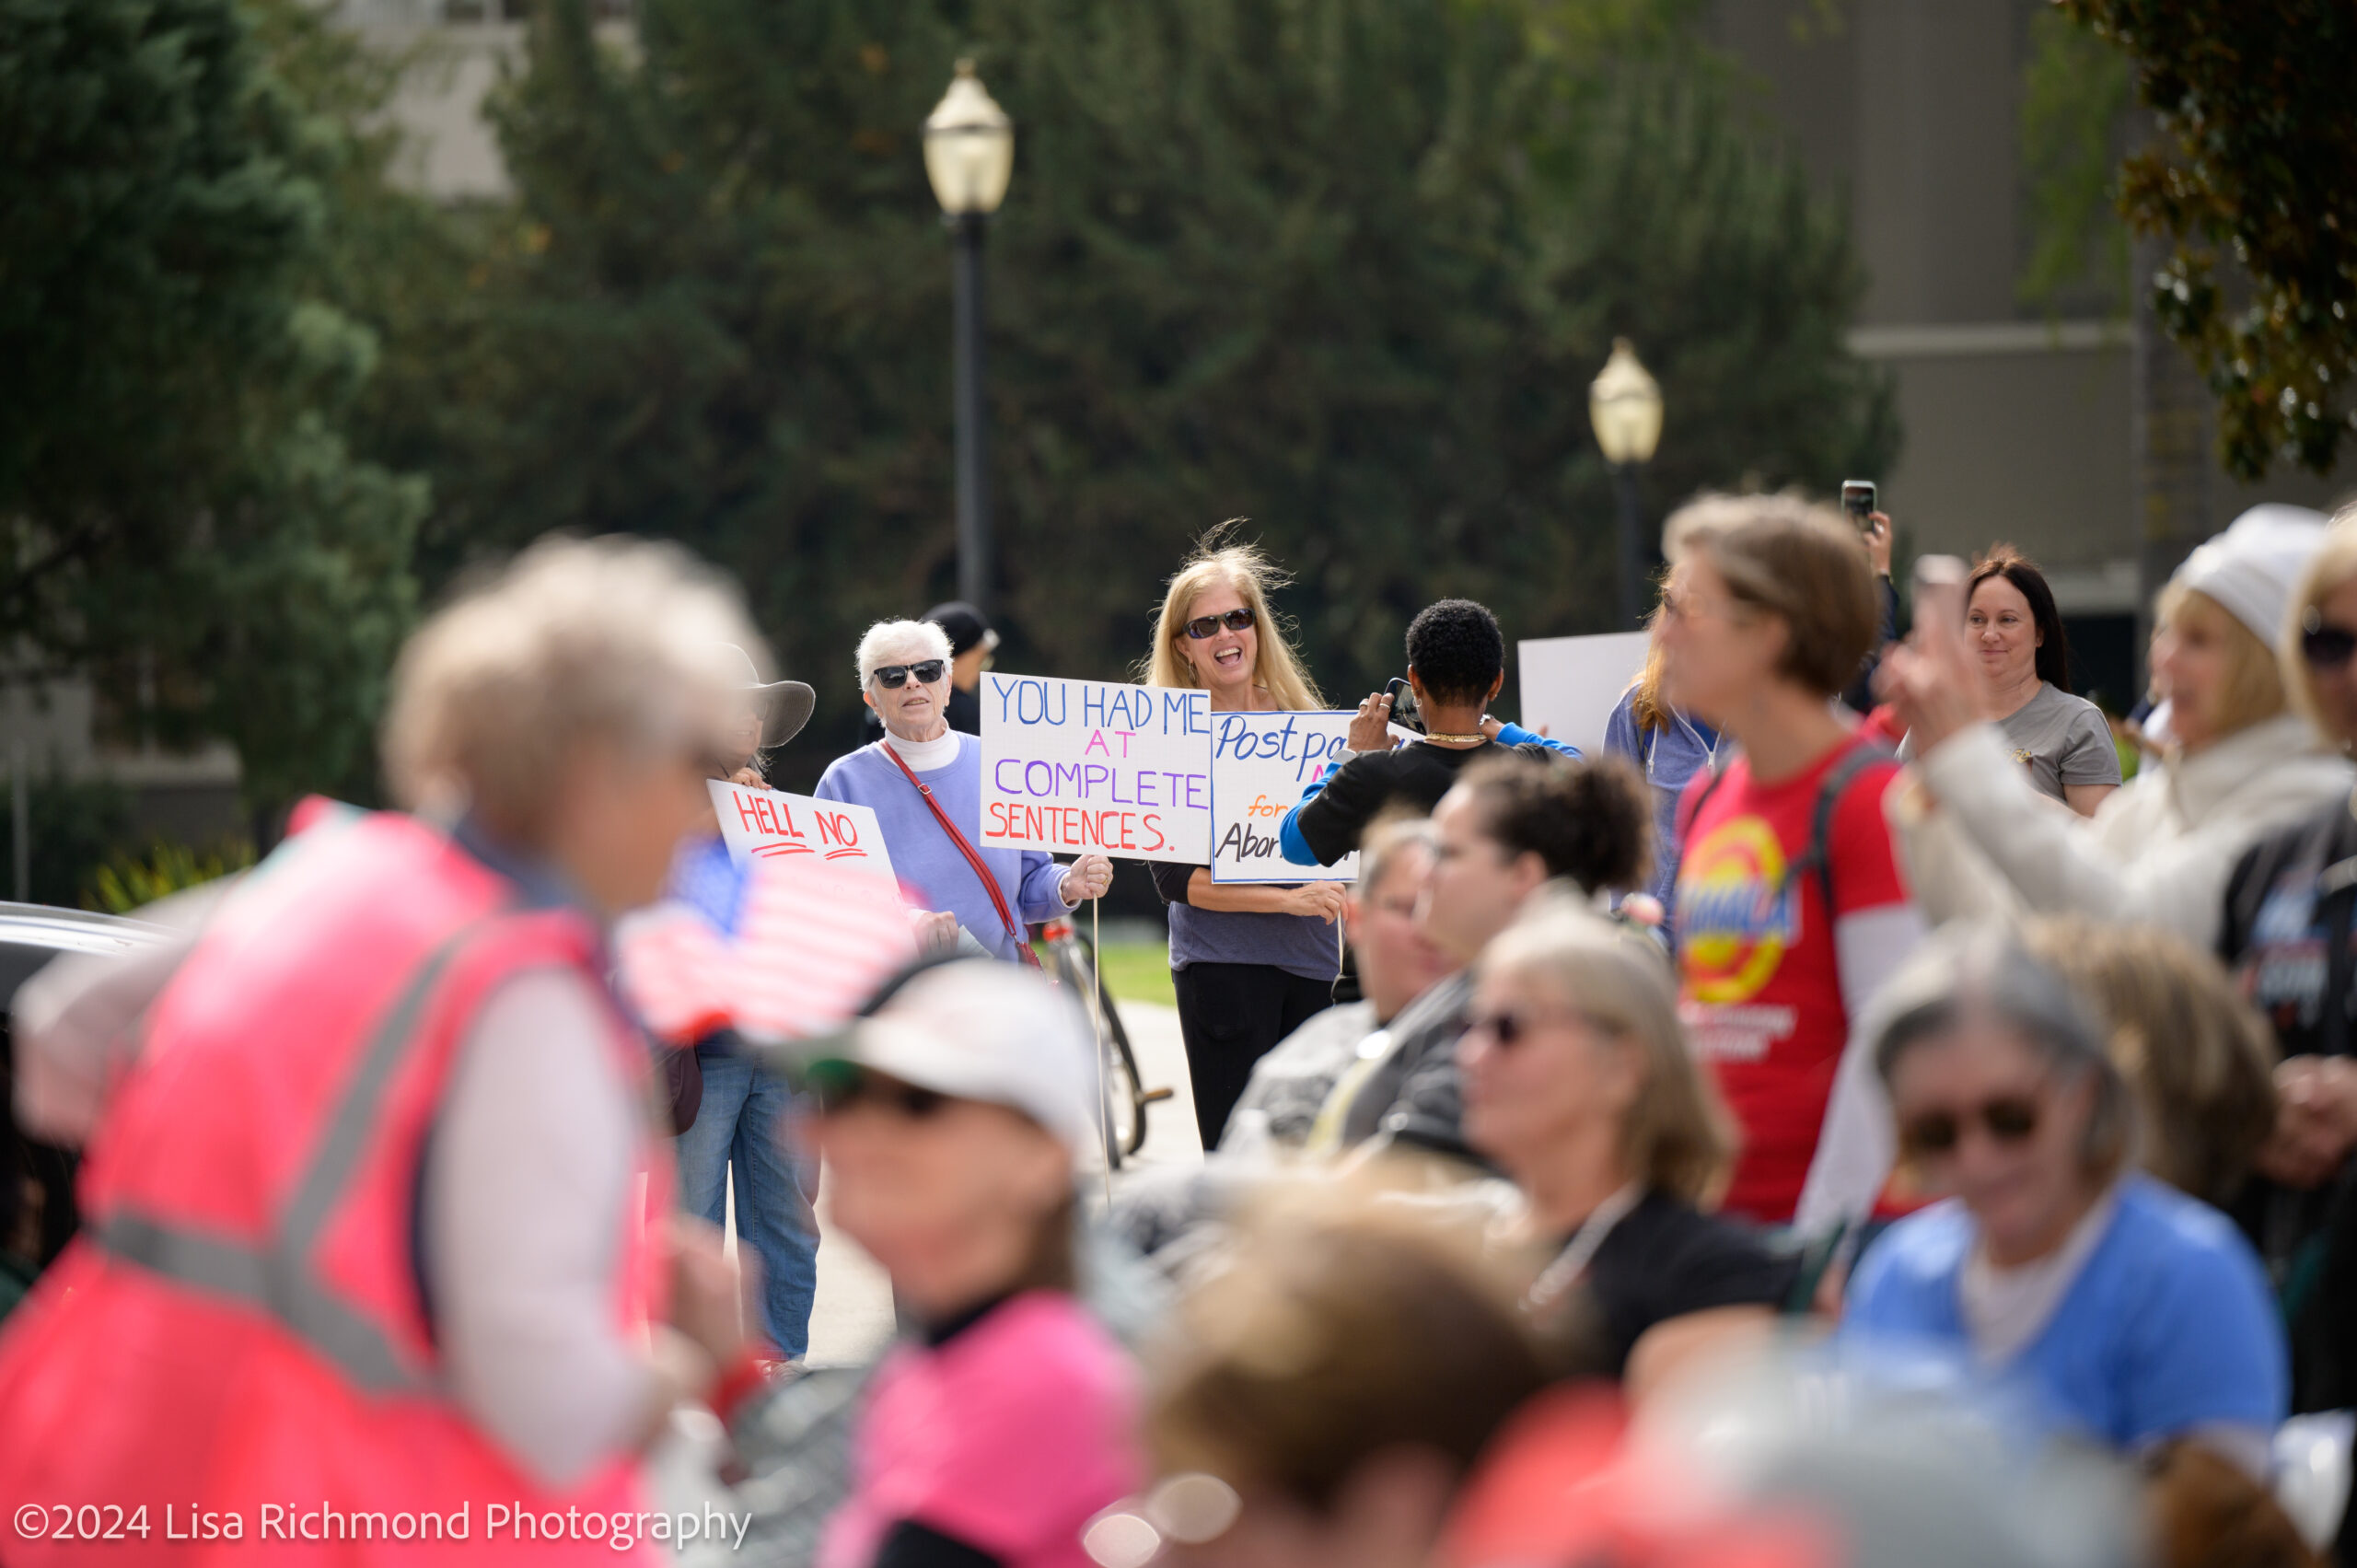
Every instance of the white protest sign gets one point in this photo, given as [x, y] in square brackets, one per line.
[1080, 767]
[1261, 765]
[764, 823]
[1572, 684]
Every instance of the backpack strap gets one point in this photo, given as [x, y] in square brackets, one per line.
[1818, 858]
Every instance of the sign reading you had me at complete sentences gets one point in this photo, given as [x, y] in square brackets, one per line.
[1081, 767]
[766, 824]
[1261, 765]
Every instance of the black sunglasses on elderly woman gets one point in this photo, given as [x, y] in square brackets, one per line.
[894, 676]
[1236, 620]
[2324, 646]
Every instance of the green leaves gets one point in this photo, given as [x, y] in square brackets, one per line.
[2253, 175]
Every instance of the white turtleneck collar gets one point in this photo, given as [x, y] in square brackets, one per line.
[926, 756]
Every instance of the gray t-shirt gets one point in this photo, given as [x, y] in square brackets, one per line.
[2062, 740]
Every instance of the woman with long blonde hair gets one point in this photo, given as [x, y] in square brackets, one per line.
[1670, 746]
[1250, 963]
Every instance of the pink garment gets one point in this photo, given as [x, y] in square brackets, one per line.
[1010, 1437]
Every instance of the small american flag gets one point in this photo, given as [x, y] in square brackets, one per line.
[813, 943]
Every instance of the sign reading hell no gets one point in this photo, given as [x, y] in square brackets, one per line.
[767, 824]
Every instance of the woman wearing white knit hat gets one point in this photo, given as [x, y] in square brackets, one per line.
[1975, 839]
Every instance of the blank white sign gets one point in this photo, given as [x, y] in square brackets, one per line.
[1572, 684]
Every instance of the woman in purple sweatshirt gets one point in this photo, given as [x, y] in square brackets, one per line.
[904, 675]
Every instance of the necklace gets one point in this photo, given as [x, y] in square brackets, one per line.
[1458, 740]
[1580, 1250]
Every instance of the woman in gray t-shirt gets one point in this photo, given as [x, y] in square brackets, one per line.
[2012, 624]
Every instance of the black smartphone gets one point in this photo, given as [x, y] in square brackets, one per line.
[1404, 712]
[1858, 500]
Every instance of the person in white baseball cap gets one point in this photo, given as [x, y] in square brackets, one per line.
[949, 1121]
[1976, 841]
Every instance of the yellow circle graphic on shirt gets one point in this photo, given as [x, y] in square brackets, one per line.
[1734, 924]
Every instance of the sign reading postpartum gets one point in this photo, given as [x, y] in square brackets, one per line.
[1083, 767]
[1262, 764]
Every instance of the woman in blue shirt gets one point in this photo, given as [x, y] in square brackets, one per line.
[2132, 1313]
[1670, 748]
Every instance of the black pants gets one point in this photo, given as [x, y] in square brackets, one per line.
[1230, 1016]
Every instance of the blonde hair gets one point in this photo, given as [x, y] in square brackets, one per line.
[2330, 570]
[2254, 685]
[1677, 1136]
[2200, 1063]
[606, 638]
[1253, 576]
[1796, 559]
[1648, 708]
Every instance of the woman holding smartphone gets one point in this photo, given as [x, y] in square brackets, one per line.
[1250, 963]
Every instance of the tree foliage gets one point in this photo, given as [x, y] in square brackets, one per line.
[1344, 267]
[2254, 177]
[189, 214]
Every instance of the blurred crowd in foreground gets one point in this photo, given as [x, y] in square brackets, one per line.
[1843, 1122]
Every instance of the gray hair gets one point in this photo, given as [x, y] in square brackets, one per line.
[606, 638]
[1980, 972]
[888, 641]
[1387, 839]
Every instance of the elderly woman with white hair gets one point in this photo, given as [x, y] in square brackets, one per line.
[924, 781]
[372, 1178]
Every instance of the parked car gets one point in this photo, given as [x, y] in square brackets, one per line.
[37, 1212]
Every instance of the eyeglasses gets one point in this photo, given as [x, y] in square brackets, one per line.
[2322, 646]
[1236, 620]
[1510, 1030]
[836, 1095]
[2009, 1118]
[892, 676]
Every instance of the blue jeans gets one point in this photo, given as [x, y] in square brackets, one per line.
[742, 1122]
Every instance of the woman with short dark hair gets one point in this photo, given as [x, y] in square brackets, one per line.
[2132, 1313]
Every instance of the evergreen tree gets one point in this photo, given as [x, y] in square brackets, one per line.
[1345, 267]
[184, 519]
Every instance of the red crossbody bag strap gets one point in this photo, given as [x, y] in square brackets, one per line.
[989, 883]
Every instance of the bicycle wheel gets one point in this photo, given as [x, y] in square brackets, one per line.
[1118, 1117]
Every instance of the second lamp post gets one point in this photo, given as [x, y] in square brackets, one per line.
[1624, 405]
[969, 157]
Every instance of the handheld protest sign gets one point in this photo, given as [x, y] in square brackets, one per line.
[767, 824]
[1569, 685]
[1261, 765]
[1081, 767]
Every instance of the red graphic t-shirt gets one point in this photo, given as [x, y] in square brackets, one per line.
[1759, 980]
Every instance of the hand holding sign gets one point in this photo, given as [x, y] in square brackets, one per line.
[1088, 878]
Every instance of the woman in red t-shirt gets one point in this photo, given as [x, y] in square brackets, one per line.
[1791, 911]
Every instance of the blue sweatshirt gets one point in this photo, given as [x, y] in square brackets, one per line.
[931, 870]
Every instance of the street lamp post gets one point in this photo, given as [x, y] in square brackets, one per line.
[969, 157]
[1624, 405]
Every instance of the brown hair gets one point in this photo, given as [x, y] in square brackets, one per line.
[2199, 1060]
[1327, 1340]
[1678, 1137]
[2207, 1512]
[1647, 707]
[1797, 560]
[1589, 819]
[2253, 690]
[1254, 576]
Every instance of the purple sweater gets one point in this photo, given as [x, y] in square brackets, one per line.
[932, 872]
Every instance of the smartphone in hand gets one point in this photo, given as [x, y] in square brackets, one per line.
[1404, 712]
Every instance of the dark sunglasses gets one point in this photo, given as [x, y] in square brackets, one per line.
[2010, 1120]
[1510, 1030]
[895, 676]
[1236, 620]
[837, 1093]
[2322, 646]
